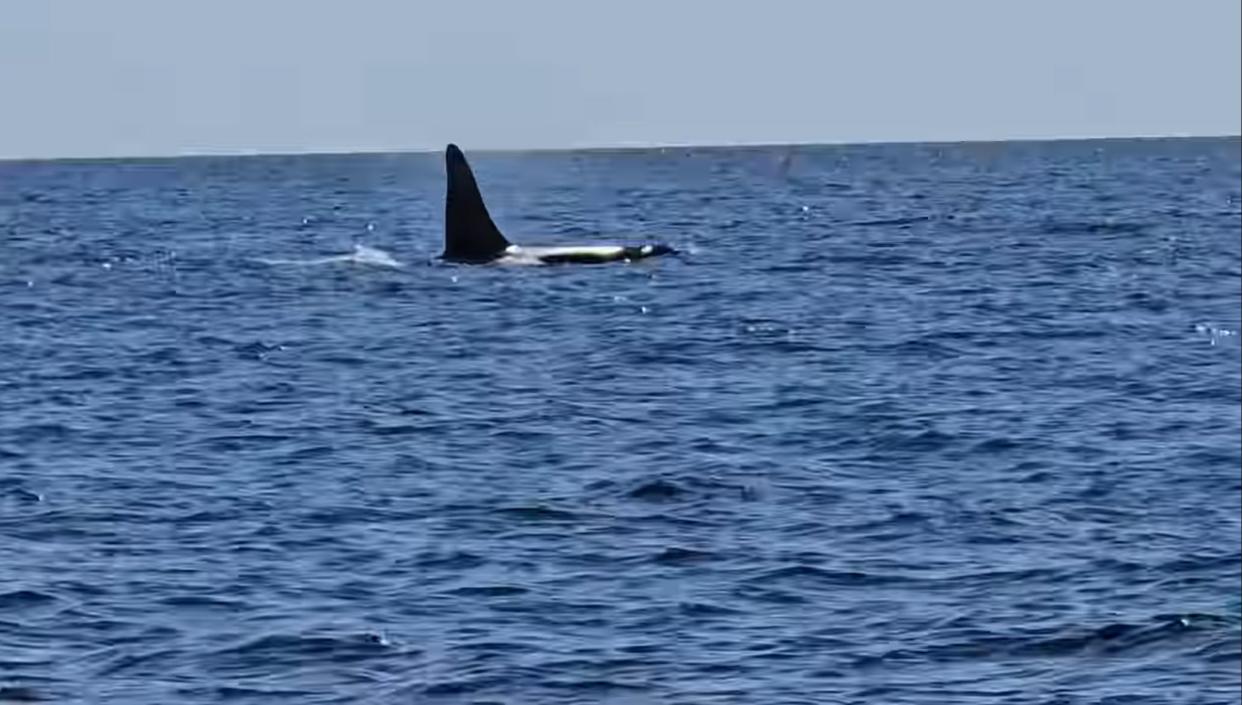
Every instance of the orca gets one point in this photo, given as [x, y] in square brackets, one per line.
[470, 236]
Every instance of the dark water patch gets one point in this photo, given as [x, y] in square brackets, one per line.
[591, 686]
[925, 441]
[240, 442]
[22, 600]
[21, 496]
[706, 610]
[898, 520]
[537, 513]
[997, 446]
[907, 220]
[1092, 227]
[23, 694]
[682, 556]
[39, 432]
[489, 591]
[658, 490]
[248, 694]
[202, 602]
[456, 560]
[380, 429]
[297, 650]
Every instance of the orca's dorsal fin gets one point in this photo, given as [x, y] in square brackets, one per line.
[469, 233]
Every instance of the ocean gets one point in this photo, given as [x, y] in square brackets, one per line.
[901, 424]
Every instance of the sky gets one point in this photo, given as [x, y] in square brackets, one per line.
[161, 77]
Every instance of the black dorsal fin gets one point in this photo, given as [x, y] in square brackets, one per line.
[469, 233]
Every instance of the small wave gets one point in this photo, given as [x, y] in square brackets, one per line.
[1119, 636]
[770, 595]
[457, 560]
[126, 662]
[658, 490]
[41, 431]
[202, 602]
[926, 441]
[593, 685]
[1109, 639]
[297, 648]
[248, 694]
[241, 442]
[810, 574]
[904, 519]
[21, 495]
[538, 513]
[910, 220]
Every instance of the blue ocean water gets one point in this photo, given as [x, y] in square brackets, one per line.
[903, 424]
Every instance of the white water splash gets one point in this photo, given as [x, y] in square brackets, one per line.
[1216, 335]
[362, 255]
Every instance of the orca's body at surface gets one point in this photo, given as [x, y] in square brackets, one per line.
[470, 236]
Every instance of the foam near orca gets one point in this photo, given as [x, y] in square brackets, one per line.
[470, 236]
[362, 255]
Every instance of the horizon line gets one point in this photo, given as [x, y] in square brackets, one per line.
[619, 147]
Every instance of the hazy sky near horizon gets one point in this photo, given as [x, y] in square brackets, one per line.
[153, 77]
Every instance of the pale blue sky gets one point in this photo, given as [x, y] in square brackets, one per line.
[145, 77]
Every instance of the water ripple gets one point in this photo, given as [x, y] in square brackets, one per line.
[904, 424]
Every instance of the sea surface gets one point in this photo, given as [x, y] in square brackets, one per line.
[902, 424]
